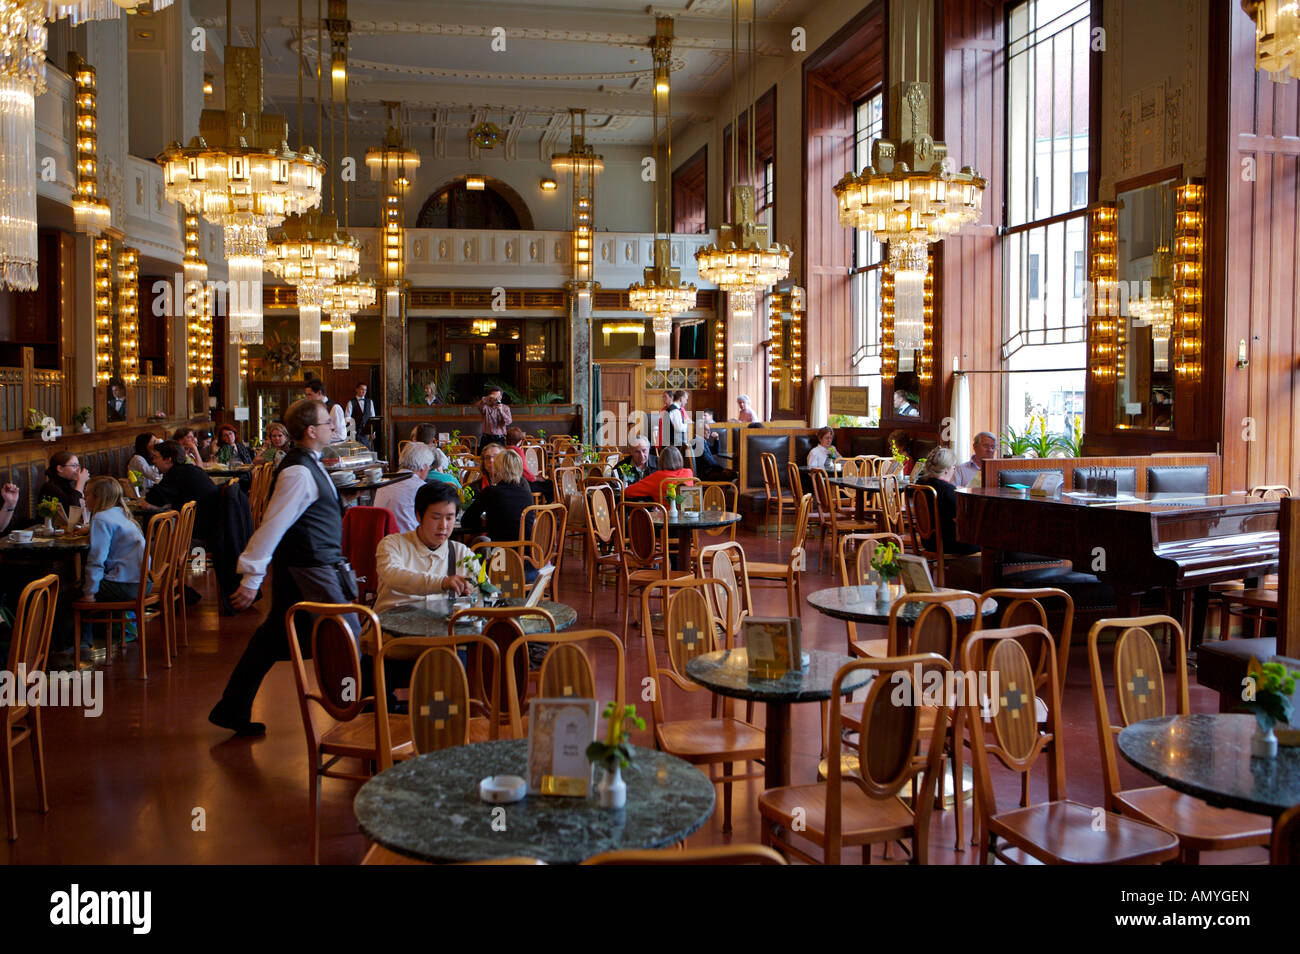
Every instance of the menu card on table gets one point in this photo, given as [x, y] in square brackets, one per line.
[559, 731]
[915, 574]
[772, 644]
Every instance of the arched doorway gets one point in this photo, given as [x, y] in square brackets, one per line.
[496, 206]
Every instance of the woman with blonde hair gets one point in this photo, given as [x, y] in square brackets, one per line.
[497, 509]
[115, 560]
[277, 443]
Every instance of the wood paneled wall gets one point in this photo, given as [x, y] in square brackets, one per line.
[1256, 288]
[969, 102]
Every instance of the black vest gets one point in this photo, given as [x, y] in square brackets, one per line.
[316, 538]
[359, 411]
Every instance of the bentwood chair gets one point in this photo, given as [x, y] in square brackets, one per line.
[567, 484]
[775, 499]
[603, 550]
[28, 648]
[502, 625]
[348, 721]
[862, 808]
[507, 570]
[567, 671]
[177, 608]
[713, 855]
[259, 490]
[831, 516]
[440, 705]
[719, 495]
[923, 505]
[1057, 831]
[549, 525]
[787, 574]
[731, 601]
[690, 630]
[645, 555]
[152, 600]
[1285, 849]
[1140, 694]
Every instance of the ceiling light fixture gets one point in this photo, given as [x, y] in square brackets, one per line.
[392, 166]
[743, 259]
[475, 183]
[1277, 37]
[22, 78]
[585, 164]
[662, 294]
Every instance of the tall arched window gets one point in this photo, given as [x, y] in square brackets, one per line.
[495, 206]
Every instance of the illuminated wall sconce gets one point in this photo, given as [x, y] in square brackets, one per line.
[720, 350]
[1243, 356]
[103, 310]
[627, 328]
[548, 185]
[1189, 243]
[128, 322]
[207, 85]
[475, 183]
[1104, 324]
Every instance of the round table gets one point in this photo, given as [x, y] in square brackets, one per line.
[1208, 755]
[684, 524]
[862, 604]
[63, 552]
[430, 619]
[429, 808]
[726, 672]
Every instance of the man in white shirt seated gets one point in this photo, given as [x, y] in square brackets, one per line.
[423, 562]
[416, 459]
[969, 474]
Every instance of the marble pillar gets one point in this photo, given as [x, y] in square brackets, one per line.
[580, 356]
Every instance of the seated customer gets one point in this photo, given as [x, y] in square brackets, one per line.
[230, 449]
[708, 467]
[639, 463]
[496, 511]
[64, 481]
[181, 483]
[488, 458]
[8, 494]
[441, 469]
[277, 443]
[824, 450]
[962, 573]
[188, 438]
[142, 462]
[969, 474]
[423, 562]
[416, 459]
[514, 438]
[672, 467]
[115, 560]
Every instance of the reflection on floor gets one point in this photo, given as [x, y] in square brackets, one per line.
[150, 781]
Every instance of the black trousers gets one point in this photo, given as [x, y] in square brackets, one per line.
[269, 644]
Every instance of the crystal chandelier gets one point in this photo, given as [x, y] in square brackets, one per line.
[342, 301]
[80, 11]
[22, 78]
[908, 198]
[240, 173]
[1277, 37]
[662, 294]
[744, 258]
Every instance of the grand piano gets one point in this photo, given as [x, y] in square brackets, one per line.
[1134, 543]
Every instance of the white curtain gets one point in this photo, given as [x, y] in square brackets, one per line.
[821, 402]
[961, 432]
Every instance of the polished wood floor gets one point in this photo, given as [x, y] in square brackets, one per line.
[132, 786]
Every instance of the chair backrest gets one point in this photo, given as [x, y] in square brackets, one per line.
[471, 476]
[335, 660]
[689, 631]
[850, 467]
[548, 523]
[363, 528]
[891, 502]
[647, 541]
[159, 546]
[401, 446]
[501, 626]
[678, 482]
[601, 525]
[1024, 607]
[713, 855]
[720, 495]
[996, 660]
[568, 483]
[1139, 683]
[923, 504]
[470, 441]
[796, 479]
[184, 537]
[535, 459]
[801, 517]
[505, 567]
[567, 670]
[1285, 849]
[29, 643]
[935, 629]
[864, 545]
[1178, 479]
[888, 738]
[822, 495]
[731, 601]
[440, 704]
[1270, 491]
[771, 474]
[889, 466]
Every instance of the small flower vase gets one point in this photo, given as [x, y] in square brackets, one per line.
[672, 509]
[1263, 744]
[611, 790]
[49, 526]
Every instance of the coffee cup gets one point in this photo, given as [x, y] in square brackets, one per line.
[21, 536]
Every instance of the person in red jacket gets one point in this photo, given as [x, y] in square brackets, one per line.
[671, 467]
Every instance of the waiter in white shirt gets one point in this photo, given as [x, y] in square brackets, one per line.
[301, 541]
[316, 391]
[362, 411]
[423, 562]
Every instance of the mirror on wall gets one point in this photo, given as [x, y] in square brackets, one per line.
[1145, 372]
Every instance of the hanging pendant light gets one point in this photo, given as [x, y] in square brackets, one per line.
[662, 294]
[585, 164]
[1277, 37]
[239, 173]
[22, 78]
[744, 259]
